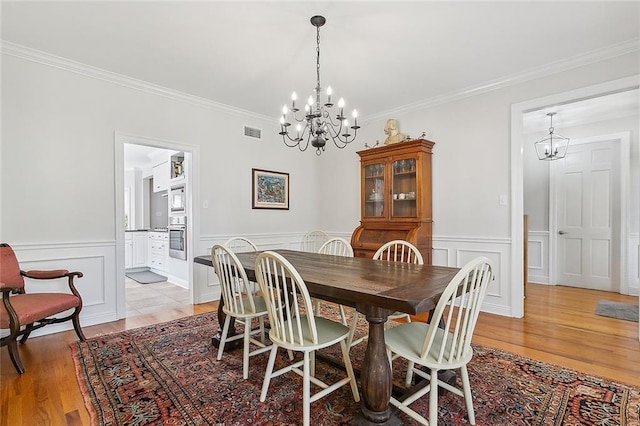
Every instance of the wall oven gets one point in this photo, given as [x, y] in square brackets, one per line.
[178, 237]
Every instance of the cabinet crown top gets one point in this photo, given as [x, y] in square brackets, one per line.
[427, 145]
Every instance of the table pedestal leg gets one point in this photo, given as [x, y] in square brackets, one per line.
[376, 375]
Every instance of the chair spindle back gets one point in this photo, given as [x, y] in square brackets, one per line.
[289, 305]
[457, 311]
[237, 291]
[338, 247]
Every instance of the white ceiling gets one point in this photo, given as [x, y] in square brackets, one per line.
[607, 107]
[142, 157]
[379, 55]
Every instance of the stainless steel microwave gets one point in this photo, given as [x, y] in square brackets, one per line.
[178, 200]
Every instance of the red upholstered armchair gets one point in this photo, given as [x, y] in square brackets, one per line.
[22, 312]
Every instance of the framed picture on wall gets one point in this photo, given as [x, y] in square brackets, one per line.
[270, 190]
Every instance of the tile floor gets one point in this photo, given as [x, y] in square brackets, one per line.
[154, 297]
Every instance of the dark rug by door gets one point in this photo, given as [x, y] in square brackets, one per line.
[167, 374]
[146, 277]
[619, 310]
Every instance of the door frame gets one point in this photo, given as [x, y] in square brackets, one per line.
[193, 177]
[623, 141]
[517, 175]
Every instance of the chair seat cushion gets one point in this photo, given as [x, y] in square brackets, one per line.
[258, 302]
[32, 307]
[329, 332]
[407, 339]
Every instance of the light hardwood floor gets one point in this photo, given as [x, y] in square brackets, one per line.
[559, 327]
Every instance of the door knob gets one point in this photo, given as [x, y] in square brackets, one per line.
[562, 232]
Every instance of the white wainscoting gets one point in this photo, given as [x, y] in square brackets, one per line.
[447, 251]
[97, 260]
[457, 251]
[206, 285]
[633, 272]
[538, 253]
[97, 287]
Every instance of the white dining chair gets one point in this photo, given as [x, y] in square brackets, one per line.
[294, 327]
[399, 251]
[392, 251]
[335, 247]
[445, 342]
[313, 240]
[240, 245]
[241, 302]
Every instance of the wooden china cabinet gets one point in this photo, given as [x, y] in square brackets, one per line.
[395, 197]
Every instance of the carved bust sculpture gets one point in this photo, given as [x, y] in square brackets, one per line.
[393, 133]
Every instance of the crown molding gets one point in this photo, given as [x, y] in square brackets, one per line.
[576, 61]
[44, 58]
[48, 59]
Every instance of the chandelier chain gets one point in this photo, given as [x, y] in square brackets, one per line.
[318, 58]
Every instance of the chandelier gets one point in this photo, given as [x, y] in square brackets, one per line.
[316, 125]
[553, 146]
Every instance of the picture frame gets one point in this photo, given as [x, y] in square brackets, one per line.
[270, 190]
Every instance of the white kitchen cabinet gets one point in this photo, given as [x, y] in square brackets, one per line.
[158, 250]
[135, 249]
[128, 250]
[139, 249]
[161, 175]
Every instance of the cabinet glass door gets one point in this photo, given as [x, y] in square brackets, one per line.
[404, 194]
[374, 190]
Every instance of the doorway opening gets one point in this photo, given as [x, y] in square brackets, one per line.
[150, 276]
[520, 138]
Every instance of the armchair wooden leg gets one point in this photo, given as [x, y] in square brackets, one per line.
[15, 356]
[78, 328]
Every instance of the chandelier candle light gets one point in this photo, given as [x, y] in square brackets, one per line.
[319, 127]
[552, 146]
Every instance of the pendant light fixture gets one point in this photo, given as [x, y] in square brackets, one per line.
[553, 146]
[316, 126]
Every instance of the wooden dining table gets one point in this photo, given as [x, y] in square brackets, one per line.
[376, 289]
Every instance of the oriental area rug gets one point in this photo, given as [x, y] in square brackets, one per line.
[167, 374]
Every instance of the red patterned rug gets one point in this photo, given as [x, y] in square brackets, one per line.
[167, 374]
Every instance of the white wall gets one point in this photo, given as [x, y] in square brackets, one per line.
[471, 168]
[57, 174]
[70, 155]
[472, 151]
[58, 186]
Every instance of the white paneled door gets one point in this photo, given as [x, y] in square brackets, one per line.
[587, 199]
